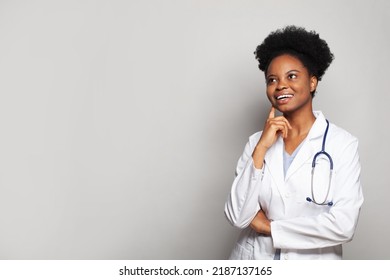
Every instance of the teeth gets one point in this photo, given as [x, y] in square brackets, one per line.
[283, 96]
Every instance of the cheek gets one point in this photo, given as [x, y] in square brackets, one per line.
[302, 87]
[269, 94]
[269, 90]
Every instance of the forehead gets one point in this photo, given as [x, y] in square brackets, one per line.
[284, 63]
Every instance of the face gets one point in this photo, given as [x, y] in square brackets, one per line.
[289, 84]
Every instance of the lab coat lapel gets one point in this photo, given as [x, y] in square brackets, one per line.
[274, 162]
[311, 145]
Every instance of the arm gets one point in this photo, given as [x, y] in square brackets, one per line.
[243, 202]
[261, 224]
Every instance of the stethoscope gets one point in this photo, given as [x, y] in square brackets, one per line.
[313, 165]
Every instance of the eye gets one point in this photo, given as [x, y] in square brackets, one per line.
[271, 80]
[292, 76]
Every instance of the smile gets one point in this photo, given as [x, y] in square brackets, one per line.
[284, 96]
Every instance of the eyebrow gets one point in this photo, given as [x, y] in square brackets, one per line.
[289, 71]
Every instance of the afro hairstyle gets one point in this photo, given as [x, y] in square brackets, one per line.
[307, 46]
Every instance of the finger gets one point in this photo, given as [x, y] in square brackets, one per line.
[281, 118]
[271, 114]
[288, 124]
[281, 121]
[284, 130]
[280, 128]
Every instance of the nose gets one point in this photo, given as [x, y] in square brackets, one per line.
[281, 85]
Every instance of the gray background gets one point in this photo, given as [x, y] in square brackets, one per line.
[121, 122]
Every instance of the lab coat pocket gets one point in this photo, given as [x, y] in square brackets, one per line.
[244, 248]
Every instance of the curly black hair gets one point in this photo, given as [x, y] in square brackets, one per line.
[307, 46]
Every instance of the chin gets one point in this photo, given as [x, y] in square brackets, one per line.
[284, 110]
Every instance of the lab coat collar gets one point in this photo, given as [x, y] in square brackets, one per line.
[274, 156]
[319, 126]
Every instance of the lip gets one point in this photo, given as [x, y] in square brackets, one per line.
[285, 97]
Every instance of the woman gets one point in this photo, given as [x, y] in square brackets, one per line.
[285, 211]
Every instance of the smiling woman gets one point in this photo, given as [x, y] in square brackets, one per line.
[273, 197]
[289, 84]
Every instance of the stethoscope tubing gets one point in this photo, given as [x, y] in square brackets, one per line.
[322, 152]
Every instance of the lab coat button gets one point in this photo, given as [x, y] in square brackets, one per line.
[286, 257]
[288, 195]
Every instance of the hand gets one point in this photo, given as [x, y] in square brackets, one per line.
[261, 224]
[274, 126]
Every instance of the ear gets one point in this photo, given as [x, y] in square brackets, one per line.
[313, 83]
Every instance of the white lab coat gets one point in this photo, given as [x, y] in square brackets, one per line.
[302, 230]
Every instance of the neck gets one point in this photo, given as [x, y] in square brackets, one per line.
[301, 123]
